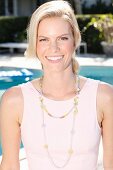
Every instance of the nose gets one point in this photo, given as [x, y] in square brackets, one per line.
[54, 45]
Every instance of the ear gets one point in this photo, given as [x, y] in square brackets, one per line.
[74, 45]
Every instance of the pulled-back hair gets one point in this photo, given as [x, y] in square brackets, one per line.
[57, 8]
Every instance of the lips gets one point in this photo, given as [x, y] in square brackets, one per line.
[54, 58]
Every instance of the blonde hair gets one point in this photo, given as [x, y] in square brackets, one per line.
[57, 8]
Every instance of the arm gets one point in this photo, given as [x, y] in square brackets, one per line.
[10, 109]
[106, 103]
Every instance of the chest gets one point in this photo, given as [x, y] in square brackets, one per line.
[60, 134]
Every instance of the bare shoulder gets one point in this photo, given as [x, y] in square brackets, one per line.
[13, 94]
[10, 119]
[12, 102]
[105, 90]
[105, 98]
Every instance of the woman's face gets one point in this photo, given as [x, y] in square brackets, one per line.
[55, 44]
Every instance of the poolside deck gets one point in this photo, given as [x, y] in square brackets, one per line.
[19, 60]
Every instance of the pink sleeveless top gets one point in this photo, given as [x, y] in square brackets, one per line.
[87, 131]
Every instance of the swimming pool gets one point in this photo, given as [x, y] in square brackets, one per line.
[11, 76]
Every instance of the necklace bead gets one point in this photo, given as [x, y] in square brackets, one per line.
[70, 151]
[72, 132]
[44, 125]
[74, 109]
[46, 146]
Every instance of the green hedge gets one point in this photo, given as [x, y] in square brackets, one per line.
[13, 29]
[90, 35]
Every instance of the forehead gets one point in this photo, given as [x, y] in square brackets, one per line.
[54, 25]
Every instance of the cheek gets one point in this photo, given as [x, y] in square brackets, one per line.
[40, 50]
[70, 48]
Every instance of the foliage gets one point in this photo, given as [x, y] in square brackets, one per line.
[90, 34]
[12, 28]
[104, 24]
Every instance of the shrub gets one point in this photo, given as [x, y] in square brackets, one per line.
[105, 25]
[12, 27]
[90, 35]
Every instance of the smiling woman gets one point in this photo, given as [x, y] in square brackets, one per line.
[54, 44]
[61, 115]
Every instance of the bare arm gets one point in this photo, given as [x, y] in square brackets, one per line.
[106, 101]
[10, 108]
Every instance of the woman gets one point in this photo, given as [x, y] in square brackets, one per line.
[61, 116]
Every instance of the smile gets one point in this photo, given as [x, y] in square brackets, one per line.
[54, 58]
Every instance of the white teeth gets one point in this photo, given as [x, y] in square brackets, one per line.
[54, 58]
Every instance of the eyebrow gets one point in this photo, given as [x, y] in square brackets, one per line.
[42, 36]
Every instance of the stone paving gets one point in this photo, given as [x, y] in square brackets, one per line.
[19, 60]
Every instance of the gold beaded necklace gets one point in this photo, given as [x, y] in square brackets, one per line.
[45, 110]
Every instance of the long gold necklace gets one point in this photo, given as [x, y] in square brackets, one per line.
[75, 111]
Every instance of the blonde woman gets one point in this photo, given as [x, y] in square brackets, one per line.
[61, 116]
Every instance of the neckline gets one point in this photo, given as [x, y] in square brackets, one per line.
[37, 92]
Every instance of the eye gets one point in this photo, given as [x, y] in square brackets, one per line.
[64, 38]
[42, 39]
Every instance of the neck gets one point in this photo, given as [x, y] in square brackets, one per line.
[59, 86]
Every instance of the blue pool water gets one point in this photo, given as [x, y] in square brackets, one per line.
[11, 76]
